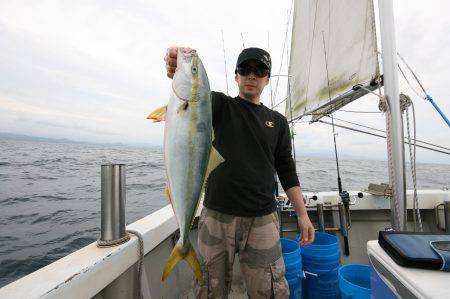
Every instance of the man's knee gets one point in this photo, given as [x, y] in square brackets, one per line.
[216, 282]
[266, 282]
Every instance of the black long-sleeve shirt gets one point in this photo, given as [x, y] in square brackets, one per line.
[255, 142]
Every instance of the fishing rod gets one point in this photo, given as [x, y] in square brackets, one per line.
[345, 196]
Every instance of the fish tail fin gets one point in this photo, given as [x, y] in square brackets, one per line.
[191, 259]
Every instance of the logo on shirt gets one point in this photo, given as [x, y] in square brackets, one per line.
[269, 124]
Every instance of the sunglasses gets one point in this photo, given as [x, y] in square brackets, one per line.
[245, 70]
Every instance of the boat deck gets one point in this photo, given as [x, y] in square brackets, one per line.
[238, 291]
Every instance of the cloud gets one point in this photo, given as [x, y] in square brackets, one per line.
[94, 69]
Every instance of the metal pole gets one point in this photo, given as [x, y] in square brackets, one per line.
[343, 224]
[320, 218]
[113, 197]
[447, 215]
[394, 122]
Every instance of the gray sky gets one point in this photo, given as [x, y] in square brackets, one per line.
[93, 70]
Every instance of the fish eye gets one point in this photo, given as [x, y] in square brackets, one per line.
[194, 70]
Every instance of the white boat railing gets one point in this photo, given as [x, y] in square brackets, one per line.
[85, 272]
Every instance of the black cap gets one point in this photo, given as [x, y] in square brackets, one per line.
[257, 54]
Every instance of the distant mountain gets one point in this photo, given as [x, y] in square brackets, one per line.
[11, 136]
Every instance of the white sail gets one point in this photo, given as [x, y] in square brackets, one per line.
[336, 35]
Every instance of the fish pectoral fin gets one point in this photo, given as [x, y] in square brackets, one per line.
[214, 160]
[191, 259]
[168, 194]
[158, 115]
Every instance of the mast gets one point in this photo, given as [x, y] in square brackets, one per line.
[394, 123]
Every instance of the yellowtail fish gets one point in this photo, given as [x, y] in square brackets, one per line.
[188, 152]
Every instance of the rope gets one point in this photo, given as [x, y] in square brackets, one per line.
[111, 243]
[405, 102]
[412, 157]
[141, 259]
[391, 167]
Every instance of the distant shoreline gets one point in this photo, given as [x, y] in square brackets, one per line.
[316, 155]
[22, 137]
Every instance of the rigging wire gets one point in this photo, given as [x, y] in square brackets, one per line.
[374, 129]
[426, 95]
[225, 61]
[407, 81]
[311, 50]
[243, 44]
[381, 136]
[412, 72]
[277, 193]
[281, 102]
[355, 111]
[290, 108]
[332, 118]
[344, 195]
[270, 81]
[284, 46]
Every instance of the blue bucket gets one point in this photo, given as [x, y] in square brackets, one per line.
[354, 281]
[321, 261]
[293, 262]
[324, 244]
[295, 288]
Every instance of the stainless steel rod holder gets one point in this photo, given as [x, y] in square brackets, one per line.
[320, 217]
[113, 198]
[447, 215]
[344, 230]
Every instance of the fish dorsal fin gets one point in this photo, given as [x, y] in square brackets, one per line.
[159, 114]
[214, 160]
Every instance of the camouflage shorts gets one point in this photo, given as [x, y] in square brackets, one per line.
[257, 242]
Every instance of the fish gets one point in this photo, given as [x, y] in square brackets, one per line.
[189, 154]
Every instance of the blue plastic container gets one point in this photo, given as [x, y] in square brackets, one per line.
[324, 244]
[321, 261]
[293, 262]
[291, 251]
[378, 287]
[354, 281]
[295, 288]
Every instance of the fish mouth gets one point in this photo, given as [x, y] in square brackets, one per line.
[189, 53]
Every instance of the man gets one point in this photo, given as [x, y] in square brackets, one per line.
[239, 214]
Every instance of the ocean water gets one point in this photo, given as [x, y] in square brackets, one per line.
[50, 194]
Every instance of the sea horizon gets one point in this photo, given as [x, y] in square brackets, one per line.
[320, 155]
